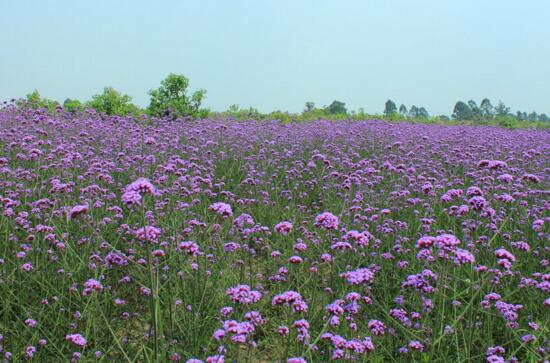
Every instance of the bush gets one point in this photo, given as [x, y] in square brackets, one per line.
[34, 100]
[112, 102]
[73, 106]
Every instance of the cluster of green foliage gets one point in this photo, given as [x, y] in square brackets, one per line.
[170, 99]
[34, 100]
[112, 102]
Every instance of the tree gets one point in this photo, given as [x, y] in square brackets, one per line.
[501, 109]
[72, 106]
[413, 112]
[462, 111]
[390, 108]
[309, 106]
[533, 116]
[112, 102]
[171, 98]
[487, 109]
[336, 108]
[520, 116]
[403, 110]
[233, 109]
[36, 101]
[243, 113]
[543, 117]
[423, 113]
[476, 111]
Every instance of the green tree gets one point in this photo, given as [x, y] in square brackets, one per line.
[403, 110]
[233, 109]
[533, 116]
[36, 101]
[476, 111]
[172, 99]
[423, 113]
[501, 109]
[520, 116]
[336, 108]
[413, 111]
[72, 106]
[309, 106]
[390, 108]
[543, 117]
[112, 102]
[462, 111]
[487, 109]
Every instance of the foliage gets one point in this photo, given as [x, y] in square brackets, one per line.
[336, 108]
[243, 113]
[501, 109]
[309, 106]
[112, 102]
[462, 111]
[73, 106]
[35, 101]
[390, 108]
[172, 99]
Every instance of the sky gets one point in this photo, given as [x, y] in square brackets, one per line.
[276, 55]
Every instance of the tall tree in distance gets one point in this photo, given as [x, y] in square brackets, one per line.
[403, 110]
[501, 109]
[533, 116]
[462, 111]
[337, 108]
[390, 108]
[423, 113]
[413, 111]
[309, 106]
[476, 111]
[487, 109]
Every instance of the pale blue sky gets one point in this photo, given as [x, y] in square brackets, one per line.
[279, 54]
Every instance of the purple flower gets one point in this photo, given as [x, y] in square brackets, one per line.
[296, 360]
[243, 294]
[222, 209]
[283, 228]
[131, 197]
[463, 257]
[376, 327]
[90, 286]
[78, 210]
[326, 220]
[359, 276]
[290, 298]
[142, 186]
[76, 339]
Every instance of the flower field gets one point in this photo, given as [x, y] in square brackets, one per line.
[225, 241]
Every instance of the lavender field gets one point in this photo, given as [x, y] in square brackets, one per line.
[216, 240]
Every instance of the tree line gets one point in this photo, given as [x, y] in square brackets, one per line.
[467, 111]
[172, 99]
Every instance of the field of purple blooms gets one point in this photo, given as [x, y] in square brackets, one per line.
[223, 241]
